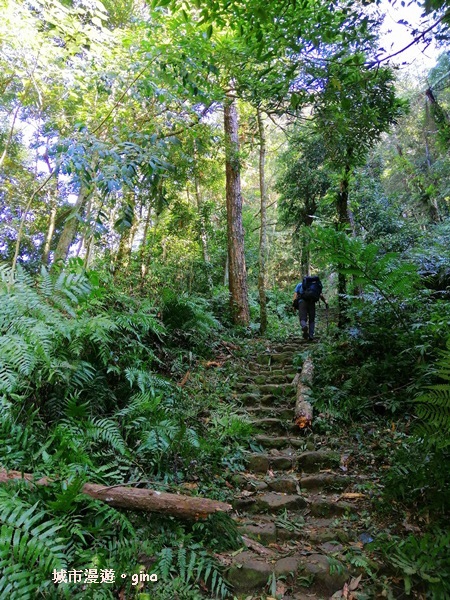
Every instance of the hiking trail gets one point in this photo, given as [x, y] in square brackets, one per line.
[292, 503]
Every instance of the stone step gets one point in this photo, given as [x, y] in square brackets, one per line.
[290, 526]
[285, 358]
[284, 441]
[255, 368]
[251, 572]
[268, 441]
[276, 389]
[261, 412]
[324, 481]
[266, 378]
[279, 358]
[279, 483]
[318, 530]
[249, 399]
[327, 507]
[315, 460]
[285, 484]
[292, 350]
[268, 529]
[269, 502]
[264, 532]
[252, 399]
[311, 461]
[273, 424]
[261, 463]
[291, 484]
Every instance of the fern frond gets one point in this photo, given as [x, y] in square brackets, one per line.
[165, 562]
[29, 547]
[147, 381]
[107, 431]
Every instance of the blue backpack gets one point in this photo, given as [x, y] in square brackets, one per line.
[311, 288]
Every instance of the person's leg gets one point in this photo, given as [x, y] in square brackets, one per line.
[312, 318]
[303, 317]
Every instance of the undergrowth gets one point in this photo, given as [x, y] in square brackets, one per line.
[85, 397]
[384, 377]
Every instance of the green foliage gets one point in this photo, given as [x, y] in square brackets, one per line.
[188, 317]
[433, 408]
[192, 564]
[378, 350]
[52, 528]
[419, 477]
[419, 474]
[386, 274]
[360, 103]
[81, 401]
[423, 563]
[219, 532]
[303, 181]
[230, 425]
[377, 214]
[29, 547]
[294, 525]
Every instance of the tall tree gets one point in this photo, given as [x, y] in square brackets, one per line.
[303, 183]
[263, 230]
[354, 107]
[237, 272]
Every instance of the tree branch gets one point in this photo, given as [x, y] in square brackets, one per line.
[414, 41]
[122, 96]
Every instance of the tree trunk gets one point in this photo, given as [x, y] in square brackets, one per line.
[133, 231]
[70, 228]
[343, 221]
[10, 135]
[225, 271]
[304, 252]
[89, 252]
[86, 233]
[203, 233]
[263, 230]
[50, 232]
[144, 246]
[177, 505]
[434, 207]
[237, 273]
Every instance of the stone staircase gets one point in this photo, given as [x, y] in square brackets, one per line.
[288, 503]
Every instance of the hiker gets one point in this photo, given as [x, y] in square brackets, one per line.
[306, 294]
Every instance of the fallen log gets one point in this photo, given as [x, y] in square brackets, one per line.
[177, 505]
[303, 414]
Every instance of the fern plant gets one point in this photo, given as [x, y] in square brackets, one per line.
[192, 564]
[30, 547]
[423, 563]
[188, 315]
[433, 406]
[385, 276]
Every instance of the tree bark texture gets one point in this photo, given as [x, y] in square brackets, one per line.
[177, 505]
[304, 252]
[263, 230]
[203, 233]
[50, 231]
[70, 228]
[343, 220]
[144, 249]
[237, 272]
